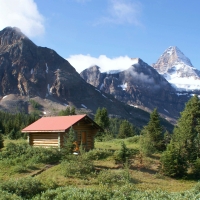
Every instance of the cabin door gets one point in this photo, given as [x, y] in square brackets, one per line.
[84, 139]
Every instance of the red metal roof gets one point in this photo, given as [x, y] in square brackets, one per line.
[53, 124]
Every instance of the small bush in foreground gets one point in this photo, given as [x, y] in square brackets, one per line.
[173, 164]
[77, 166]
[121, 155]
[134, 139]
[24, 187]
[8, 196]
[98, 154]
[107, 177]
[18, 153]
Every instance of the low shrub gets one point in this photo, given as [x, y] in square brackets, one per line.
[20, 169]
[78, 166]
[24, 187]
[134, 139]
[47, 156]
[4, 195]
[35, 104]
[107, 137]
[123, 154]
[98, 154]
[108, 177]
[127, 191]
[18, 153]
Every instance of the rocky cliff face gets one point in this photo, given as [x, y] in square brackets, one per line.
[27, 69]
[140, 86]
[178, 70]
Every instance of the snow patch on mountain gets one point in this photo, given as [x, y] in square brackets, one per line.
[183, 83]
[123, 86]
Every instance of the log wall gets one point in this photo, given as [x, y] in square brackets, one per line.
[85, 134]
[43, 139]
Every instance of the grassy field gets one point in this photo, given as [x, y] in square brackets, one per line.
[143, 172]
[144, 176]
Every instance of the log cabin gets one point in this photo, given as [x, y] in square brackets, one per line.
[52, 131]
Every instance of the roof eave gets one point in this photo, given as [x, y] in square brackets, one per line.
[45, 131]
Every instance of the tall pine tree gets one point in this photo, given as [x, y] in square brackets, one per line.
[185, 140]
[69, 145]
[125, 129]
[101, 118]
[187, 132]
[153, 131]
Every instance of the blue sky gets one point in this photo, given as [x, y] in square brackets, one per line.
[108, 32]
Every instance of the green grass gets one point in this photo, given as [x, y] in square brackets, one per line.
[143, 171]
[115, 144]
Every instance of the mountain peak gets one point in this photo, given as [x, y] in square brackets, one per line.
[11, 35]
[172, 56]
[174, 50]
[178, 69]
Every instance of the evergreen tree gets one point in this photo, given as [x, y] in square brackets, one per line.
[69, 140]
[73, 111]
[125, 129]
[123, 154]
[186, 133]
[173, 163]
[154, 130]
[67, 111]
[12, 135]
[114, 126]
[101, 118]
[1, 141]
[146, 145]
[185, 142]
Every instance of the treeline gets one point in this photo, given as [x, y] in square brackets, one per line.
[113, 127]
[12, 124]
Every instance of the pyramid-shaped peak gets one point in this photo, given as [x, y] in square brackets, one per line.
[174, 54]
[172, 49]
[171, 57]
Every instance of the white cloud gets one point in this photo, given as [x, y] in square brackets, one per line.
[23, 14]
[123, 11]
[81, 62]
